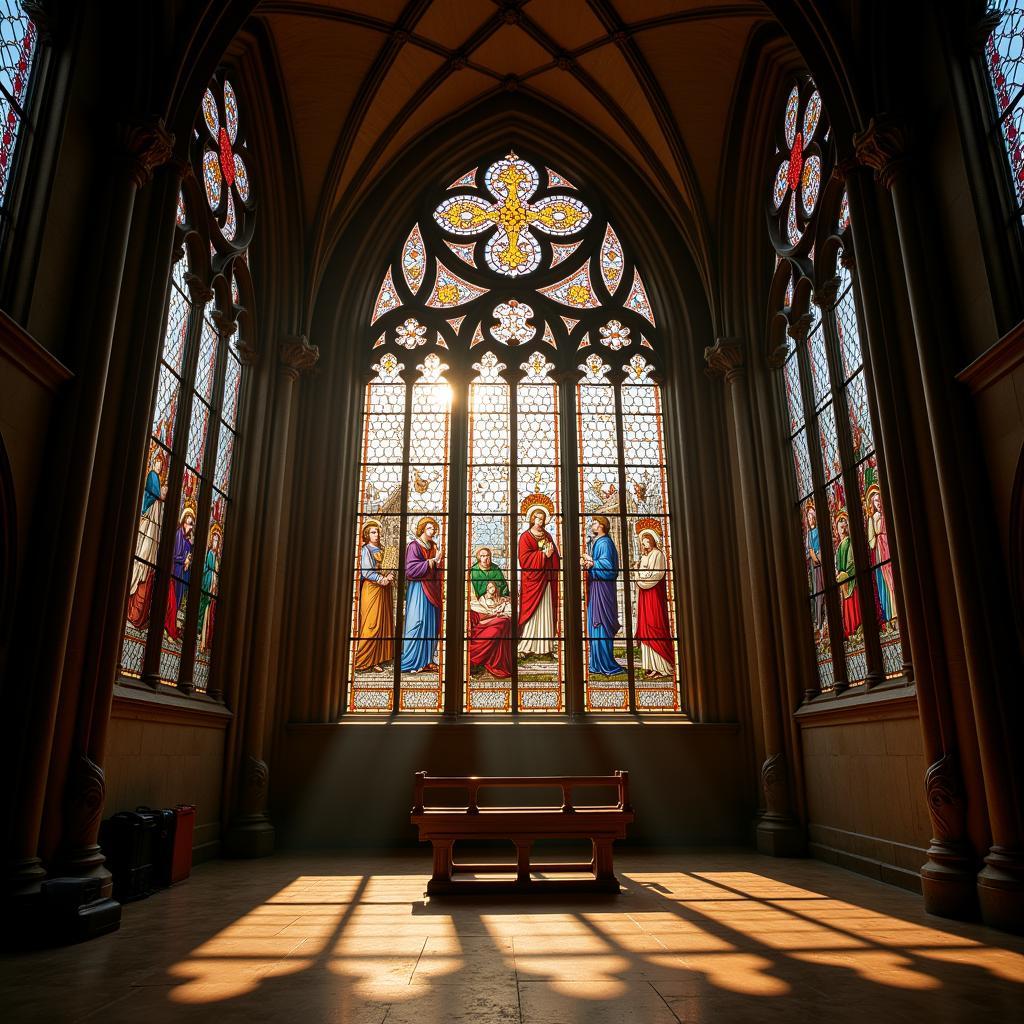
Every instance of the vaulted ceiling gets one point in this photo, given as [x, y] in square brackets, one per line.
[364, 78]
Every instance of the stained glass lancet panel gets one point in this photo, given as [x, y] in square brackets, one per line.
[602, 529]
[421, 683]
[1004, 59]
[158, 468]
[489, 604]
[808, 513]
[648, 535]
[379, 542]
[18, 39]
[540, 654]
[869, 498]
[183, 554]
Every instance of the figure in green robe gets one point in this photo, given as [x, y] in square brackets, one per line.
[484, 571]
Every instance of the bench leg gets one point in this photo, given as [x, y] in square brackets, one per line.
[442, 861]
[603, 866]
[523, 850]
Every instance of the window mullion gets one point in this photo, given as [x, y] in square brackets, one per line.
[624, 554]
[408, 378]
[513, 533]
[199, 295]
[456, 572]
[572, 583]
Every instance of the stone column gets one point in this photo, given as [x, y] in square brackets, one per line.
[251, 833]
[778, 834]
[991, 658]
[948, 878]
[48, 596]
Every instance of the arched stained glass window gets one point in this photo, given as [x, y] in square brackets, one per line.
[496, 304]
[18, 42]
[1004, 61]
[815, 334]
[174, 587]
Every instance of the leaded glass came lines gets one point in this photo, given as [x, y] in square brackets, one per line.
[1004, 59]
[18, 39]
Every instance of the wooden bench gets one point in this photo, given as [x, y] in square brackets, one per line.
[523, 826]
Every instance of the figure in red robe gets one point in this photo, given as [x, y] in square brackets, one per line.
[653, 630]
[490, 628]
[538, 586]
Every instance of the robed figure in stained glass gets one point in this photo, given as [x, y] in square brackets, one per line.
[181, 570]
[140, 591]
[602, 564]
[878, 542]
[490, 627]
[653, 630]
[538, 581]
[845, 576]
[816, 571]
[207, 605]
[484, 571]
[375, 646]
[422, 600]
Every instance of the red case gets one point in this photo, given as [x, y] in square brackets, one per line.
[185, 823]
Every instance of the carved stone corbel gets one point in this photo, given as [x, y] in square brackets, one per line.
[297, 356]
[725, 359]
[826, 294]
[198, 290]
[226, 324]
[799, 326]
[884, 146]
[146, 147]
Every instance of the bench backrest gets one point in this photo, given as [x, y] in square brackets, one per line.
[474, 783]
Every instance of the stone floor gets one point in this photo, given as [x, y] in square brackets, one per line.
[695, 937]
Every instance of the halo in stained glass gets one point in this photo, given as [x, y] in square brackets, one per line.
[210, 115]
[387, 299]
[611, 260]
[555, 180]
[637, 299]
[241, 178]
[792, 110]
[468, 180]
[810, 184]
[513, 326]
[464, 252]
[230, 112]
[414, 260]
[560, 253]
[451, 290]
[575, 290]
[212, 178]
[812, 115]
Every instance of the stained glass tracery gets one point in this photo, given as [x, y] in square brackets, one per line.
[838, 489]
[524, 541]
[18, 43]
[1004, 60]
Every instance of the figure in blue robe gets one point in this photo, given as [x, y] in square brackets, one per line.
[602, 605]
[152, 491]
[422, 601]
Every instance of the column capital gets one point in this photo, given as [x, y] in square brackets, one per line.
[226, 324]
[884, 146]
[297, 356]
[799, 327]
[725, 359]
[147, 146]
[825, 295]
[199, 291]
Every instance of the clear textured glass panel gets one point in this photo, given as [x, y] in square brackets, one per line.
[488, 489]
[225, 453]
[642, 440]
[165, 408]
[860, 417]
[206, 366]
[802, 464]
[381, 489]
[829, 441]
[177, 320]
[819, 364]
[794, 394]
[846, 325]
[232, 386]
[197, 432]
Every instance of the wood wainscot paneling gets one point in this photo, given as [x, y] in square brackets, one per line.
[864, 766]
[350, 784]
[165, 749]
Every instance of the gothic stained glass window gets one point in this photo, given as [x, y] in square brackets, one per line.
[840, 509]
[1004, 61]
[484, 288]
[18, 42]
[174, 592]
